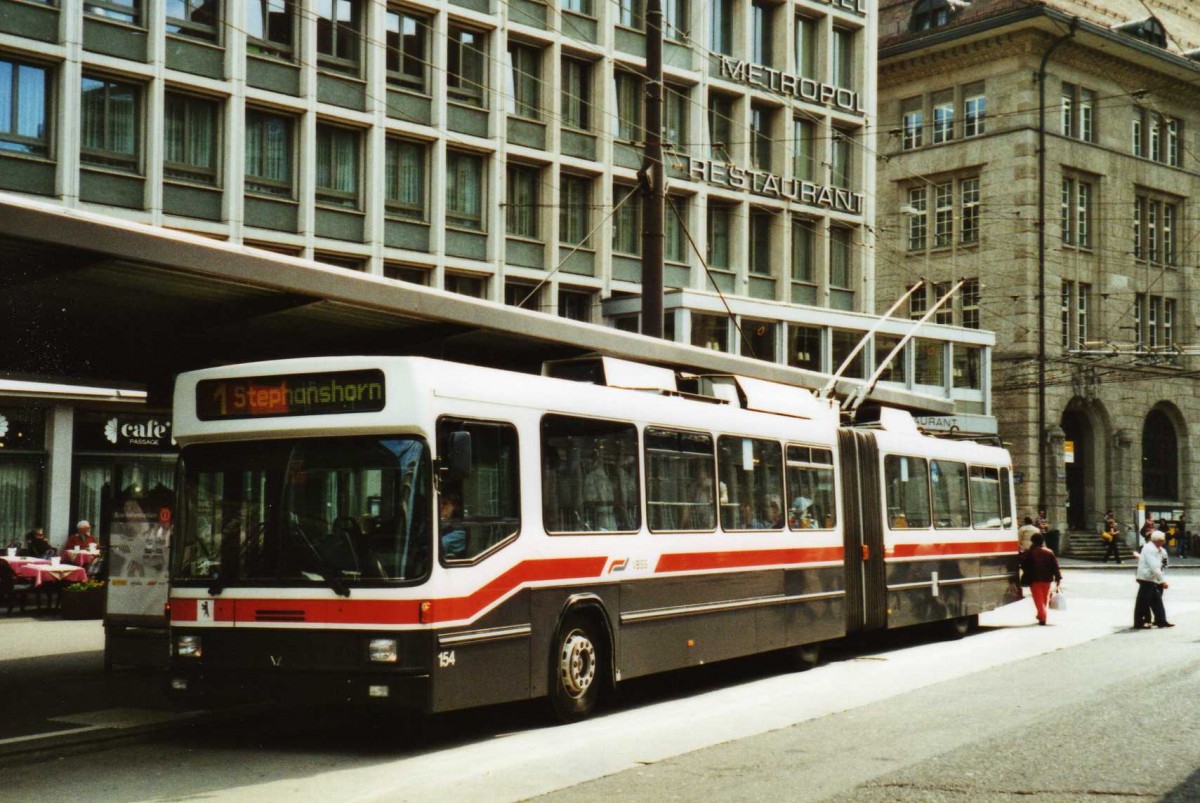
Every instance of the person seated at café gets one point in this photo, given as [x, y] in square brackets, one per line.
[82, 538]
[36, 544]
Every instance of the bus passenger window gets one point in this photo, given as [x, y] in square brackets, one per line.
[812, 501]
[1006, 497]
[751, 473]
[589, 475]
[985, 497]
[680, 492]
[907, 481]
[481, 510]
[948, 481]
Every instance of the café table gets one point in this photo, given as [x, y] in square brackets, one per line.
[48, 572]
[81, 557]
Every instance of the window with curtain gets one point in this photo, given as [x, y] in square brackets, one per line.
[521, 207]
[337, 166]
[720, 126]
[627, 222]
[269, 154]
[407, 38]
[20, 484]
[466, 65]
[574, 209]
[806, 47]
[575, 305]
[677, 14]
[270, 27]
[760, 241]
[196, 19]
[675, 222]
[190, 138]
[803, 150]
[583, 7]
[576, 94]
[339, 33]
[109, 123]
[524, 96]
[842, 172]
[464, 190]
[804, 264]
[630, 14]
[676, 108]
[126, 11]
[720, 234]
[404, 178]
[629, 106]
[24, 89]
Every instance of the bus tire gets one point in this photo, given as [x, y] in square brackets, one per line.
[804, 656]
[577, 668]
[960, 626]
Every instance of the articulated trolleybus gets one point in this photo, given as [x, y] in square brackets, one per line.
[439, 536]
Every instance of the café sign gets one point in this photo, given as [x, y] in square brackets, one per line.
[792, 86]
[787, 189]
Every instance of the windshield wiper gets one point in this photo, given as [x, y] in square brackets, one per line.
[322, 568]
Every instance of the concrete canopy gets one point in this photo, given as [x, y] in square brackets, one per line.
[95, 298]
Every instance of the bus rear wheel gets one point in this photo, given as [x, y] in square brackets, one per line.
[960, 626]
[804, 656]
[576, 669]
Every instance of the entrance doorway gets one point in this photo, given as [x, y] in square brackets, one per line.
[1077, 432]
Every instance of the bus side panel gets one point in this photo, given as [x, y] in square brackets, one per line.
[998, 584]
[664, 625]
[547, 606]
[813, 620]
[931, 590]
[486, 662]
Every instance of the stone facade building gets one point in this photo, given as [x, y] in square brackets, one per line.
[1049, 153]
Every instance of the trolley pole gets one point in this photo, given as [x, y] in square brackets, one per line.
[653, 179]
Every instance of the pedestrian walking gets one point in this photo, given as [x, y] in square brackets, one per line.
[1041, 522]
[1040, 566]
[1026, 533]
[1152, 582]
[1111, 537]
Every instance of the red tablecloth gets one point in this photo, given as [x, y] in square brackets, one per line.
[46, 572]
[80, 557]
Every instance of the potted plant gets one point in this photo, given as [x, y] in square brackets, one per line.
[83, 600]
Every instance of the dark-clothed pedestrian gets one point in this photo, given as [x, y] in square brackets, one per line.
[1112, 537]
[1041, 567]
[1152, 582]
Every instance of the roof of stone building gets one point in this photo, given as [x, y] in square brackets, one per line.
[1179, 18]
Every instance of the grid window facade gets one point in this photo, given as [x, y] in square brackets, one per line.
[270, 27]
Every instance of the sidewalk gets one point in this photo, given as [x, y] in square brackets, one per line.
[56, 693]
[1129, 564]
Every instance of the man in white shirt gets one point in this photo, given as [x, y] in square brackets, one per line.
[1026, 533]
[1151, 583]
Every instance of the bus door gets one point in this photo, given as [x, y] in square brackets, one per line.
[866, 575]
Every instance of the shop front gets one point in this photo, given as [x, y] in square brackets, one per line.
[22, 472]
[124, 476]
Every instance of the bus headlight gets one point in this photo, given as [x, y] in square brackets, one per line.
[382, 650]
[187, 646]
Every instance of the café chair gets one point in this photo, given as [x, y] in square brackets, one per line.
[13, 589]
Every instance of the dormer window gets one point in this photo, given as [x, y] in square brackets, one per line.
[1149, 30]
[930, 14]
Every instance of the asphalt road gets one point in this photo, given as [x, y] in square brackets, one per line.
[1084, 709]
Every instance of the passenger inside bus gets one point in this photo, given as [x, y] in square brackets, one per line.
[454, 537]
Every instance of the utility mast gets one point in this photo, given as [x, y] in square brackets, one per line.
[653, 179]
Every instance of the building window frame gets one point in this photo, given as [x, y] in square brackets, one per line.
[107, 141]
[466, 65]
[405, 184]
[186, 155]
[17, 132]
[339, 33]
[272, 159]
[407, 37]
[576, 93]
[466, 190]
[127, 11]
[271, 28]
[575, 209]
[338, 180]
[524, 65]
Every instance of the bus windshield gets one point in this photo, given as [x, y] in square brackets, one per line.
[336, 511]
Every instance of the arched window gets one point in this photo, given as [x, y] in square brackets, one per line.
[1160, 457]
[929, 14]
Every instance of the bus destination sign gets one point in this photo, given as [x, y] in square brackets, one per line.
[291, 394]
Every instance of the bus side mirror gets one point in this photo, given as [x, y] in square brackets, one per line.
[456, 462]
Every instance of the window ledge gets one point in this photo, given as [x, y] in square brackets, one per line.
[194, 40]
[268, 196]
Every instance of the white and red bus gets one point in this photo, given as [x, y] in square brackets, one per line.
[439, 535]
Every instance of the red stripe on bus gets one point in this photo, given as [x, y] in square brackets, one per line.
[951, 549]
[741, 559]
[389, 611]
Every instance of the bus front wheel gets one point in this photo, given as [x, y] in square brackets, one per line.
[576, 669]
